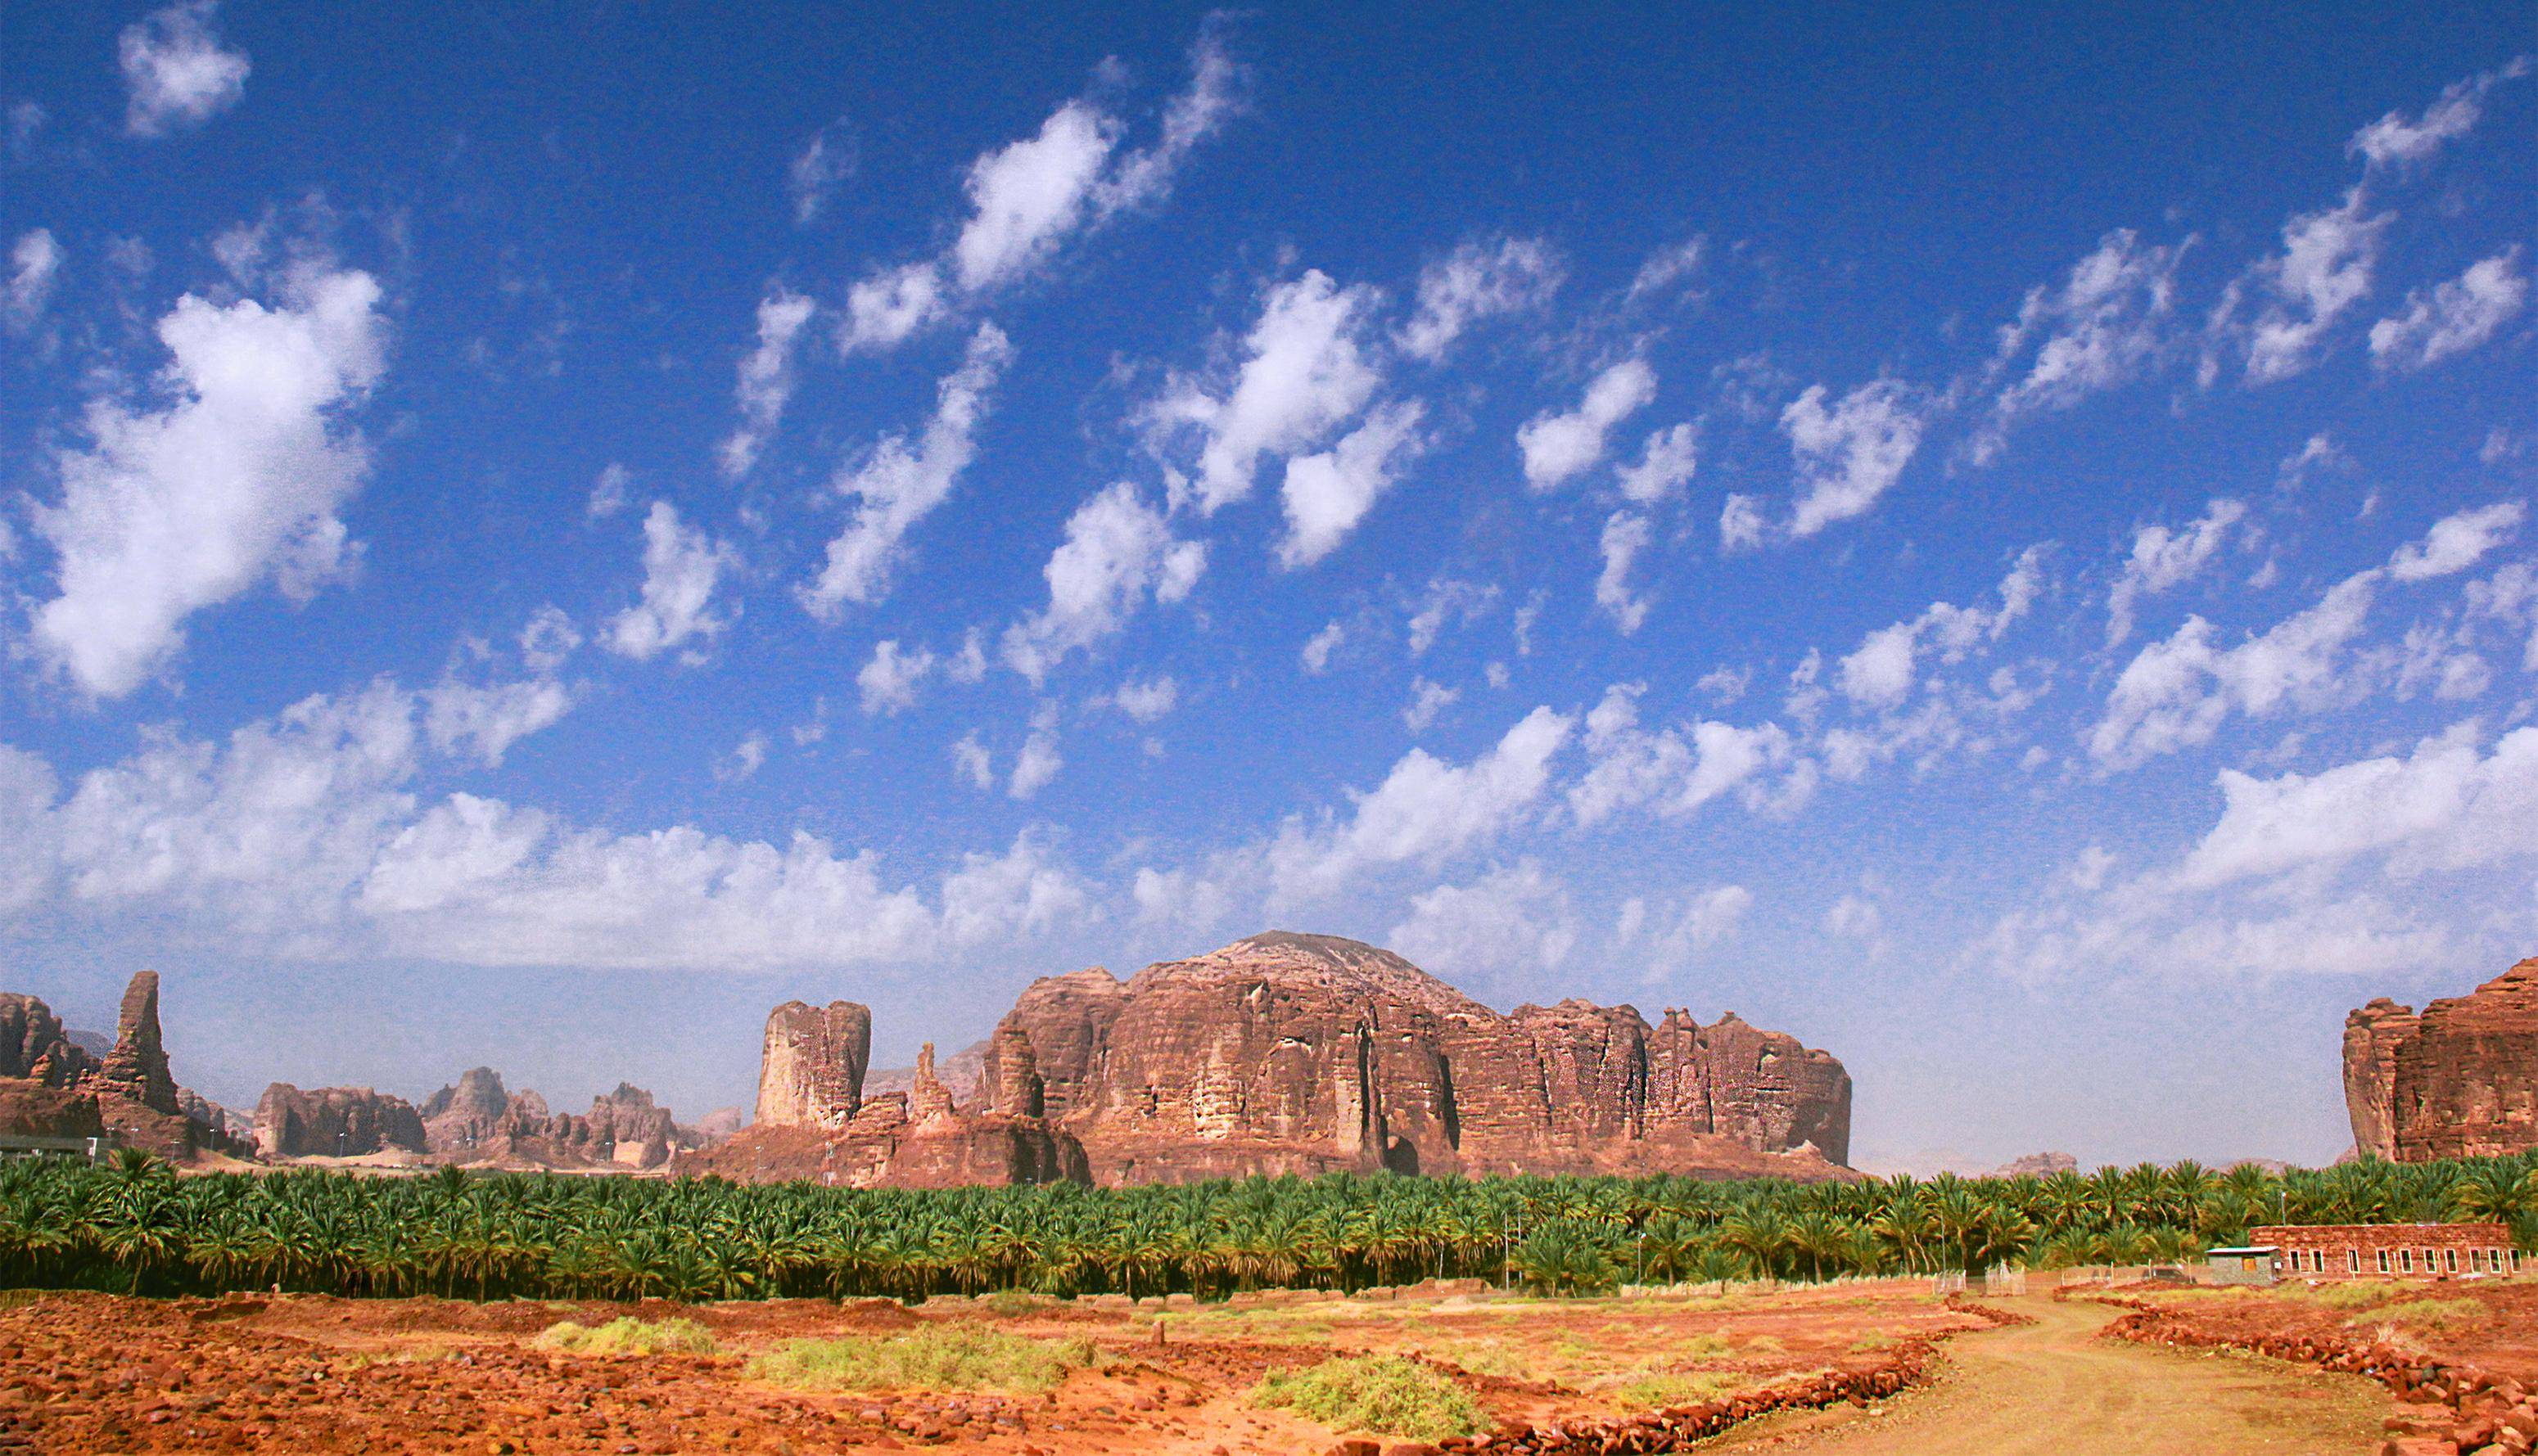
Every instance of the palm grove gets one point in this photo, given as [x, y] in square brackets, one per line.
[134, 1225]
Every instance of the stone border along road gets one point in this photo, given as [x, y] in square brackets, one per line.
[2056, 1387]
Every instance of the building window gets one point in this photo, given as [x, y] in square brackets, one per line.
[2405, 1261]
[2353, 1261]
[2384, 1261]
[2450, 1258]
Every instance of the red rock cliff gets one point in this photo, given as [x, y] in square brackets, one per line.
[2459, 1080]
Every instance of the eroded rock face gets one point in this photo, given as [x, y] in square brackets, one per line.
[2459, 1080]
[811, 1072]
[2371, 1036]
[137, 1068]
[1306, 1054]
[478, 1120]
[335, 1122]
[35, 1046]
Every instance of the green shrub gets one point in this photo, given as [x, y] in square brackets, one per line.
[627, 1335]
[934, 1358]
[2434, 1314]
[1658, 1391]
[1379, 1393]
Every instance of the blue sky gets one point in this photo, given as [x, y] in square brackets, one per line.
[1995, 543]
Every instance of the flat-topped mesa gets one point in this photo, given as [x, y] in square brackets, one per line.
[2458, 1081]
[811, 1072]
[1306, 1054]
[335, 1122]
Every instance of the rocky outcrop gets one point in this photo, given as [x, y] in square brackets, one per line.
[2371, 1036]
[2037, 1165]
[335, 1122]
[812, 1070]
[478, 1120]
[2467, 1083]
[51, 1084]
[137, 1068]
[1308, 1054]
[35, 1046]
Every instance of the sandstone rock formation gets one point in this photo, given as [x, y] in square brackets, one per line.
[478, 1120]
[2037, 1165]
[51, 1086]
[2458, 1081]
[334, 1122]
[1306, 1054]
[811, 1072]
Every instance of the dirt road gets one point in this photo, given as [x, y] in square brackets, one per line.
[2054, 1388]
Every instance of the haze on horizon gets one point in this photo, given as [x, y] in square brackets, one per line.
[1999, 547]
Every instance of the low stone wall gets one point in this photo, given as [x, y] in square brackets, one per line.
[1676, 1427]
[2458, 1408]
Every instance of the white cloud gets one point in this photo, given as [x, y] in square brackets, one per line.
[1039, 762]
[824, 160]
[681, 566]
[1317, 653]
[1447, 599]
[2177, 693]
[609, 493]
[744, 760]
[1741, 526]
[485, 721]
[305, 837]
[1117, 551]
[1427, 700]
[1626, 535]
[1476, 281]
[1030, 198]
[1425, 810]
[1666, 267]
[1147, 702]
[2457, 542]
[1664, 467]
[1507, 922]
[1559, 445]
[1305, 372]
[174, 71]
[2099, 329]
[235, 480]
[1676, 770]
[889, 680]
[2454, 316]
[971, 765]
[1850, 454]
[898, 485]
[766, 378]
[1853, 917]
[2393, 140]
[1881, 672]
[547, 638]
[2163, 559]
[1706, 918]
[1328, 493]
[2323, 269]
[34, 260]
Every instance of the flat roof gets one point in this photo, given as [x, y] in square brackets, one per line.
[2264, 1248]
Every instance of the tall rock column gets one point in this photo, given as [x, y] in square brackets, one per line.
[812, 1073]
[138, 1066]
[2371, 1036]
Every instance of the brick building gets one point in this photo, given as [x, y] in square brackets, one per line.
[2387, 1250]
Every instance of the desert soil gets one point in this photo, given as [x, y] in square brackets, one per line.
[88, 1372]
[2056, 1387]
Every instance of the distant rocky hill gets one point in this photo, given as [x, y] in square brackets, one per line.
[476, 1120]
[1297, 1053]
[2460, 1079]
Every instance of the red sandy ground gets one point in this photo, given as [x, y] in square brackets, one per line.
[2500, 1337]
[84, 1372]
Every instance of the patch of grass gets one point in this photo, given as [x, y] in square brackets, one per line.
[2434, 1314]
[2359, 1294]
[1657, 1391]
[935, 1357]
[1705, 1346]
[1383, 1394]
[627, 1335]
[1482, 1357]
[1011, 1303]
[1871, 1343]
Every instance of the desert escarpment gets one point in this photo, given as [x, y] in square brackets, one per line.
[334, 1122]
[2460, 1079]
[1303, 1054]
